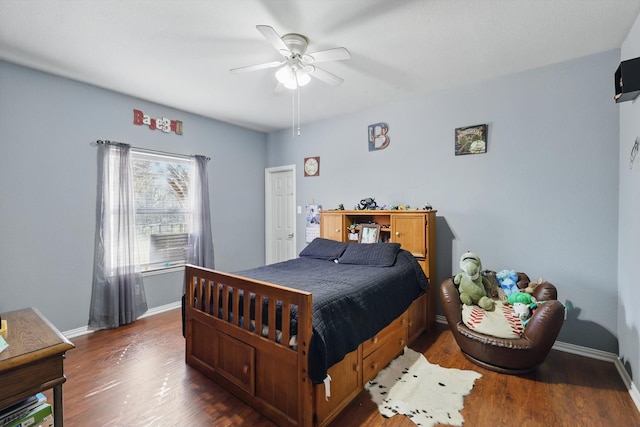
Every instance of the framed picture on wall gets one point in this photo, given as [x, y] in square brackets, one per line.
[369, 233]
[471, 140]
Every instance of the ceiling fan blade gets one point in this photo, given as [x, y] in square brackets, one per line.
[326, 77]
[256, 67]
[335, 54]
[272, 37]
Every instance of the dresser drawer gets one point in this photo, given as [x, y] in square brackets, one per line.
[386, 350]
[235, 361]
[371, 345]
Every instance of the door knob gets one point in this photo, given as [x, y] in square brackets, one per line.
[290, 235]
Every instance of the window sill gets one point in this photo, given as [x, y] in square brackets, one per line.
[162, 270]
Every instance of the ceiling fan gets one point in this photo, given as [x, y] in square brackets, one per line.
[297, 66]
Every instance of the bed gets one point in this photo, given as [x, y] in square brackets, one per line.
[298, 339]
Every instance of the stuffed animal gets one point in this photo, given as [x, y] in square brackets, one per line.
[495, 286]
[508, 280]
[472, 285]
[523, 304]
[531, 286]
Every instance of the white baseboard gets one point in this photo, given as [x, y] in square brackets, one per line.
[156, 310]
[594, 354]
[162, 309]
[633, 391]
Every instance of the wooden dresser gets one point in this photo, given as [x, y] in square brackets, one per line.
[34, 360]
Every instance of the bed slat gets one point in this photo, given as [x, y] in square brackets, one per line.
[286, 322]
[246, 308]
[258, 317]
[272, 315]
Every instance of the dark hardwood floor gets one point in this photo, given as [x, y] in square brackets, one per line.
[136, 376]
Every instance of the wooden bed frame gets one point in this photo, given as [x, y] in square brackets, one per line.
[271, 376]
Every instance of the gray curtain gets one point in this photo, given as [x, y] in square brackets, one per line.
[200, 238]
[117, 295]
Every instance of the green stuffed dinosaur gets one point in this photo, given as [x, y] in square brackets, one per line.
[472, 285]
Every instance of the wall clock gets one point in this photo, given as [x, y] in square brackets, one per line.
[311, 166]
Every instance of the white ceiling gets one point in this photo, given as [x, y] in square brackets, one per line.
[178, 53]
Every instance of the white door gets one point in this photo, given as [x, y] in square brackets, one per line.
[280, 214]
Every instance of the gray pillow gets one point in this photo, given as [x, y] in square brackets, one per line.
[374, 254]
[324, 249]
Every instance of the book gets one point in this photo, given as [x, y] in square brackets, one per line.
[46, 422]
[20, 409]
[33, 418]
[3, 344]
[3, 328]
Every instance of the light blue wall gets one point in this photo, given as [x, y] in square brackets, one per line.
[629, 236]
[543, 199]
[48, 189]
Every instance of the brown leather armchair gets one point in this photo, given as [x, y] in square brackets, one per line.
[509, 356]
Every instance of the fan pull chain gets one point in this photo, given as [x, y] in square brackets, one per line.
[298, 93]
[293, 115]
[295, 110]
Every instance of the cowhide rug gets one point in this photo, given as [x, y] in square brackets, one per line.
[426, 393]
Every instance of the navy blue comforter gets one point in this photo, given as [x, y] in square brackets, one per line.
[351, 303]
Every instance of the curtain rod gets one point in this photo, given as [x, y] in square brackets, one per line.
[101, 142]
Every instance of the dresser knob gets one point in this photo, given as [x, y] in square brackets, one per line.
[398, 233]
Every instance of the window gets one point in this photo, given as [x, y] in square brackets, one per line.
[162, 204]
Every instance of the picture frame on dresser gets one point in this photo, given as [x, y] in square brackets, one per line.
[369, 233]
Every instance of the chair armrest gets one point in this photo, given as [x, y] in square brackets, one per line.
[545, 324]
[545, 291]
[450, 299]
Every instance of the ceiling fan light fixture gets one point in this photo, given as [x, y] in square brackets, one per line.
[291, 85]
[302, 77]
[292, 77]
[285, 75]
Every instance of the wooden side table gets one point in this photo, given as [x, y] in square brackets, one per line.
[34, 360]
